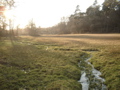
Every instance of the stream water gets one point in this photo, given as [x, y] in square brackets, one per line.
[90, 77]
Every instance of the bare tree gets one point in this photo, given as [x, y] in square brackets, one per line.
[32, 30]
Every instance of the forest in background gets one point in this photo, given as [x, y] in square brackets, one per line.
[96, 19]
[93, 20]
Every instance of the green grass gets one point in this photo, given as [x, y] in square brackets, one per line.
[51, 62]
[34, 67]
[108, 62]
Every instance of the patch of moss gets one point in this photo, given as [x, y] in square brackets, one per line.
[63, 85]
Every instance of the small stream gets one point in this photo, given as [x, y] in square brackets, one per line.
[90, 77]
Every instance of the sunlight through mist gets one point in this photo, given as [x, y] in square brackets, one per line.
[46, 13]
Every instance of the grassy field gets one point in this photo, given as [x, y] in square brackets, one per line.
[50, 62]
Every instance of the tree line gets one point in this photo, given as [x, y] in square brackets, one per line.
[4, 22]
[94, 20]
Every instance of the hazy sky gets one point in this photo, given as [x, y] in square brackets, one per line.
[47, 12]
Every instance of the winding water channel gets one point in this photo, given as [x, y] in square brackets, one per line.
[90, 77]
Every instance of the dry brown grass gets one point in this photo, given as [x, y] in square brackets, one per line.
[81, 40]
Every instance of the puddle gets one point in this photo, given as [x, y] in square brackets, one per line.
[26, 71]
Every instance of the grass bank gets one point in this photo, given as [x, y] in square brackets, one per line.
[50, 62]
[30, 65]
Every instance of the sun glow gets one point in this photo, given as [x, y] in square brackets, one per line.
[9, 14]
[45, 13]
